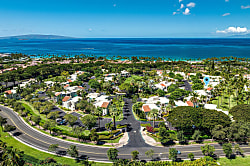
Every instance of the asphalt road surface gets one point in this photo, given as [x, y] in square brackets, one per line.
[42, 141]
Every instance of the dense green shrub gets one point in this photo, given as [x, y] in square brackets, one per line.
[8, 128]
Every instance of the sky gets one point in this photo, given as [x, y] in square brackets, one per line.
[125, 18]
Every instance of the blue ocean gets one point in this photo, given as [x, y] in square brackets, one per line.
[152, 47]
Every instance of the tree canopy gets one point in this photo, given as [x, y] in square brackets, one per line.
[241, 112]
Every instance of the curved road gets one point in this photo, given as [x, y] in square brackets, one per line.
[42, 141]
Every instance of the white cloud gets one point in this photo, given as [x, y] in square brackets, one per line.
[174, 13]
[186, 12]
[180, 1]
[226, 0]
[182, 6]
[245, 7]
[191, 4]
[114, 5]
[234, 30]
[226, 14]
[90, 29]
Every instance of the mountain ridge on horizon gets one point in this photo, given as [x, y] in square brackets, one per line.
[51, 37]
[36, 36]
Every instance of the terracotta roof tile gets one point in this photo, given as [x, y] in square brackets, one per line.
[190, 103]
[66, 85]
[105, 104]
[163, 85]
[8, 91]
[209, 88]
[66, 98]
[146, 108]
[81, 87]
[58, 93]
[69, 80]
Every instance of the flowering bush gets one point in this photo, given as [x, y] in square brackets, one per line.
[150, 129]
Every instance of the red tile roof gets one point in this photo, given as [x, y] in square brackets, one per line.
[209, 88]
[163, 85]
[105, 104]
[81, 87]
[58, 93]
[66, 85]
[66, 98]
[8, 91]
[146, 108]
[69, 80]
[190, 103]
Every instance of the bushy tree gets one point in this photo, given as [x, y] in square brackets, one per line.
[172, 154]
[71, 119]
[207, 150]
[241, 112]
[112, 154]
[89, 121]
[227, 149]
[134, 155]
[73, 151]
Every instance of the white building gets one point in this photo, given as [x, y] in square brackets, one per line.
[148, 107]
[124, 73]
[163, 85]
[70, 103]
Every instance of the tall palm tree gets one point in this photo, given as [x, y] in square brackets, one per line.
[194, 99]
[153, 113]
[108, 126]
[113, 113]
[98, 111]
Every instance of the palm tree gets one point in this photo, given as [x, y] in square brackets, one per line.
[12, 157]
[194, 99]
[113, 113]
[108, 126]
[229, 92]
[153, 113]
[98, 111]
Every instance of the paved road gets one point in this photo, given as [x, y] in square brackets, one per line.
[42, 141]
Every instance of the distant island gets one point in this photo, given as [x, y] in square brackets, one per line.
[36, 36]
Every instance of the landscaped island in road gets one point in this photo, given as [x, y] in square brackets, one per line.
[102, 103]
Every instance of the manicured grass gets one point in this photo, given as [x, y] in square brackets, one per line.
[224, 102]
[114, 141]
[239, 161]
[36, 153]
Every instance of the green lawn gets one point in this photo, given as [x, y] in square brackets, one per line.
[239, 161]
[33, 153]
[224, 102]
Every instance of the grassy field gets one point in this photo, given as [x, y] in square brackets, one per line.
[239, 161]
[33, 153]
[224, 102]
